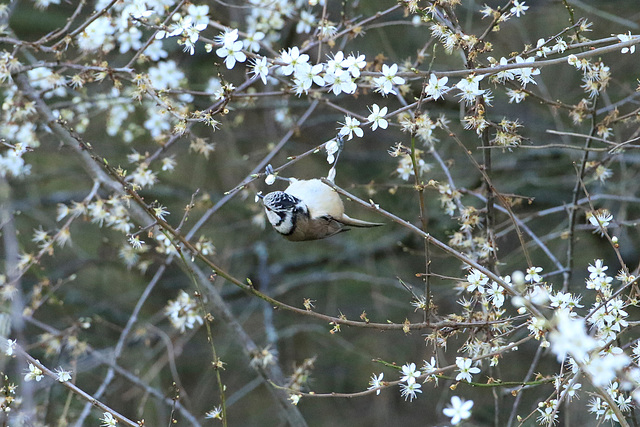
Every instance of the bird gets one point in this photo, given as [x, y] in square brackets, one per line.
[308, 210]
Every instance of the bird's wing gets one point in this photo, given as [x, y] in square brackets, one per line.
[315, 229]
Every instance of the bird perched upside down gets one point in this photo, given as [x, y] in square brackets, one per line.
[308, 210]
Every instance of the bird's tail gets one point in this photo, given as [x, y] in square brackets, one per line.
[347, 220]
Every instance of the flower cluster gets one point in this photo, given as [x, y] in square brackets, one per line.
[12, 163]
[458, 410]
[231, 48]
[600, 220]
[409, 386]
[34, 373]
[183, 312]
[187, 28]
[589, 343]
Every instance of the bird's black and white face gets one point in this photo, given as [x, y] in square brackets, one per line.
[282, 211]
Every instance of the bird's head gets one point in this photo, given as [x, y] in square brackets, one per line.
[282, 211]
